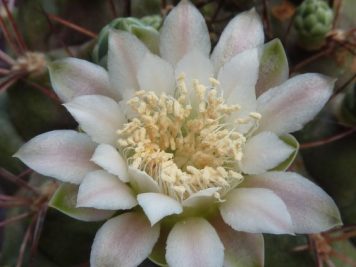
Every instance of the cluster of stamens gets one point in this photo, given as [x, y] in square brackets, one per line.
[185, 149]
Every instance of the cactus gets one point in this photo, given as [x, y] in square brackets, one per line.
[34, 33]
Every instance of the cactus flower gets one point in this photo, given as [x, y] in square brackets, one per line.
[191, 148]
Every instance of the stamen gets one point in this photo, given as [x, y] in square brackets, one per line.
[186, 151]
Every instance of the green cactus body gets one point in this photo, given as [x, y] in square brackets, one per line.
[145, 29]
[313, 21]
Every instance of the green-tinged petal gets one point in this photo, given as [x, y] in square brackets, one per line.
[125, 240]
[274, 68]
[291, 141]
[141, 182]
[241, 249]
[72, 77]
[311, 209]
[65, 200]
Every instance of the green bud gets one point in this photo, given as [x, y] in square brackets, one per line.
[312, 22]
[145, 29]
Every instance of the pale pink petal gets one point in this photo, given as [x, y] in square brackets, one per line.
[157, 206]
[256, 210]
[288, 107]
[201, 198]
[241, 249]
[72, 77]
[194, 243]
[99, 116]
[183, 31]
[124, 57]
[61, 154]
[125, 240]
[102, 190]
[110, 159]
[238, 78]
[156, 74]
[311, 209]
[245, 31]
[195, 66]
[142, 182]
[263, 152]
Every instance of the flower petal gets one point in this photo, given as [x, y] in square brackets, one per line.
[263, 152]
[238, 78]
[288, 107]
[98, 116]
[110, 159]
[102, 190]
[142, 182]
[183, 31]
[124, 57]
[156, 74]
[274, 68]
[194, 66]
[311, 209]
[157, 206]
[194, 242]
[245, 31]
[62, 154]
[125, 240]
[241, 249]
[72, 77]
[201, 198]
[65, 200]
[256, 210]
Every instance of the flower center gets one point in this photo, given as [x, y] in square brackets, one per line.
[186, 149]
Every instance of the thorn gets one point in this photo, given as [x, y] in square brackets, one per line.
[72, 26]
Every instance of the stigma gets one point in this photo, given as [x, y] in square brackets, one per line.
[183, 141]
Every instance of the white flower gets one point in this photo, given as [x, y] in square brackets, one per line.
[183, 139]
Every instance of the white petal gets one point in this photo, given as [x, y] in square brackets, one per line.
[288, 107]
[263, 152]
[183, 31]
[238, 78]
[124, 57]
[241, 249]
[195, 65]
[156, 74]
[245, 31]
[192, 243]
[141, 181]
[110, 159]
[125, 240]
[62, 154]
[102, 190]
[311, 209]
[98, 116]
[256, 210]
[157, 206]
[201, 198]
[72, 77]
